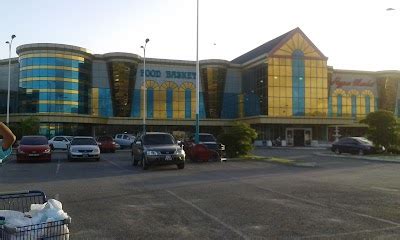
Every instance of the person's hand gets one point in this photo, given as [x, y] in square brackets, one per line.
[8, 136]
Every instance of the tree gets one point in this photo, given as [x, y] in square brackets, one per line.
[238, 139]
[382, 128]
[29, 126]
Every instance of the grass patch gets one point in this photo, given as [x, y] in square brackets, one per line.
[277, 160]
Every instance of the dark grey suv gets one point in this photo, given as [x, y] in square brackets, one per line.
[157, 148]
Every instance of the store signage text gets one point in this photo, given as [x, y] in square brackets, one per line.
[168, 74]
[358, 82]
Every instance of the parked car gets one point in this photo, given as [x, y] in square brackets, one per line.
[106, 144]
[355, 145]
[83, 148]
[207, 149]
[124, 140]
[33, 148]
[60, 142]
[157, 148]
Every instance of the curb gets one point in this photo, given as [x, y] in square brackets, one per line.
[358, 158]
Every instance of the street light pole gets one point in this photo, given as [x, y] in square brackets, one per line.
[197, 78]
[9, 78]
[144, 84]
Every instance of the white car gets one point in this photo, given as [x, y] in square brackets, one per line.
[124, 140]
[60, 142]
[83, 148]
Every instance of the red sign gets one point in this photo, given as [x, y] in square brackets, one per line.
[358, 82]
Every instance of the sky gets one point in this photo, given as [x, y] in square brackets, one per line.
[353, 34]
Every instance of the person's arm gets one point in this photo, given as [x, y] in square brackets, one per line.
[8, 136]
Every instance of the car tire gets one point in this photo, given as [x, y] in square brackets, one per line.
[361, 152]
[337, 151]
[181, 166]
[145, 166]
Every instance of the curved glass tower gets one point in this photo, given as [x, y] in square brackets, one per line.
[54, 78]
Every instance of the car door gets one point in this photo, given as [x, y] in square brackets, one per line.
[354, 146]
[126, 140]
[57, 142]
[64, 143]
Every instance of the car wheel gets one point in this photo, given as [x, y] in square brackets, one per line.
[337, 151]
[181, 166]
[144, 164]
[361, 152]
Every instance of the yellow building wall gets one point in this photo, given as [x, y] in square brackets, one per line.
[280, 87]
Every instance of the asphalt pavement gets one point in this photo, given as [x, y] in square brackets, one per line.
[111, 199]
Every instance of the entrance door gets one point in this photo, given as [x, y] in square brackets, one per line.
[298, 137]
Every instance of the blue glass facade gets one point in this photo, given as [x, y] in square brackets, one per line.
[49, 84]
[170, 106]
[339, 105]
[188, 104]
[353, 106]
[298, 81]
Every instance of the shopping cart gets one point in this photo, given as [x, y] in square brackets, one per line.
[21, 201]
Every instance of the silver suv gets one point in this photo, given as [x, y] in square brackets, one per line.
[124, 140]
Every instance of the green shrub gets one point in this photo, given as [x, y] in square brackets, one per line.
[238, 139]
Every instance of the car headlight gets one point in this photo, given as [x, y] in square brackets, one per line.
[151, 153]
[99, 143]
[180, 152]
[96, 150]
[47, 150]
[20, 151]
[74, 150]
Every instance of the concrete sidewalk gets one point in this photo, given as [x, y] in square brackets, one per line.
[377, 158]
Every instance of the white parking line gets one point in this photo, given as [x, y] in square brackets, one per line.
[209, 215]
[336, 235]
[116, 165]
[386, 189]
[58, 166]
[349, 210]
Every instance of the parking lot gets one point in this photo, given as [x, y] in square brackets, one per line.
[111, 199]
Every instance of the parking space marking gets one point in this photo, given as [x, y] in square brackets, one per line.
[327, 206]
[209, 215]
[349, 233]
[116, 165]
[386, 189]
[58, 166]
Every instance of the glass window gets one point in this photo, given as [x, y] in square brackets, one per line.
[29, 61]
[35, 61]
[43, 61]
[43, 72]
[367, 104]
[59, 62]
[169, 103]
[353, 106]
[51, 61]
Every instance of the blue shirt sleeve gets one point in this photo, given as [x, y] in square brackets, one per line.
[5, 153]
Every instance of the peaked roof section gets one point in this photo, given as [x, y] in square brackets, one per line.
[271, 46]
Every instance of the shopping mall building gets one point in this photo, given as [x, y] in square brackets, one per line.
[283, 88]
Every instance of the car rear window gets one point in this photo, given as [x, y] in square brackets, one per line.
[83, 141]
[34, 140]
[105, 138]
[206, 138]
[158, 139]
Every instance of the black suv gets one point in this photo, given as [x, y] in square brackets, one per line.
[157, 148]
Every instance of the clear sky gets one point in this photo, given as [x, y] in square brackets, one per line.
[353, 34]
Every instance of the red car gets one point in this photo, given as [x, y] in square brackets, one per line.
[106, 144]
[33, 148]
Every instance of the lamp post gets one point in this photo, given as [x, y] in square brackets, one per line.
[144, 84]
[9, 78]
[197, 78]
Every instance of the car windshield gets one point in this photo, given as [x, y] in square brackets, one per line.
[36, 140]
[83, 141]
[206, 138]
[105, 138]
[158, 139]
